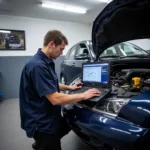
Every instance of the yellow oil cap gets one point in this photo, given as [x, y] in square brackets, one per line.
[136, 82]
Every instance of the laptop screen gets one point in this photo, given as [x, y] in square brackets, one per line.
[96, 72]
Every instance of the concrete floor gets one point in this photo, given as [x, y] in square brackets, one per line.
[12, 137]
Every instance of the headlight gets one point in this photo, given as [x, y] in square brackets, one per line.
[112, 105]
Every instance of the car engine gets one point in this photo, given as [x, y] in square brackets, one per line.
[125, 84]
[129, 82]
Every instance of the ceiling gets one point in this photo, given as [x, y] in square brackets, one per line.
[32, 8]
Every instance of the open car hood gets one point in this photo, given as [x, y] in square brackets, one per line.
[121, 20]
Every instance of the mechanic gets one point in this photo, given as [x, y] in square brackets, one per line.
[40, 97]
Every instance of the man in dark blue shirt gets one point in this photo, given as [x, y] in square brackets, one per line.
[40, 100]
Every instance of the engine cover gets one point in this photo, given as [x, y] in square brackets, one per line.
[129, 73]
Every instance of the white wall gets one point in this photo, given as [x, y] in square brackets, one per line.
[35, 29]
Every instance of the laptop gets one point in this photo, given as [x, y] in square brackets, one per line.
[95, 75]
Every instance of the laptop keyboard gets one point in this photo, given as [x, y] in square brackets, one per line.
[96, 98]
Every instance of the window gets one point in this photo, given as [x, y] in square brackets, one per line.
[71, 54]
[82, 48]
[130, 49]
[109, 52]
[126, 49]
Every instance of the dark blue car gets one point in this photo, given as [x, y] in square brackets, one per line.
[120, 121]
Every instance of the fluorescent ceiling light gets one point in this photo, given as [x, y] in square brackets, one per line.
[64, 7]
[106, 1]
[5, 31]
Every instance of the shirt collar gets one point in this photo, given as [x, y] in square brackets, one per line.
[48, 60]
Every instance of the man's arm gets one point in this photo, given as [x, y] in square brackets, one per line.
[63, 87]
[60, 98]
[77, 85]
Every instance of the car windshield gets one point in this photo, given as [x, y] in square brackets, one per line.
[131, 49]
[123, 49]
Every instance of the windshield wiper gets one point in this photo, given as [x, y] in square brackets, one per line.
[113, 56]
[139, 56]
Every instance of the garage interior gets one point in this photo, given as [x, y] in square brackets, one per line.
[29, 16]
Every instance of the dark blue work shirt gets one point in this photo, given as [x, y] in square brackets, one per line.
[38, 78]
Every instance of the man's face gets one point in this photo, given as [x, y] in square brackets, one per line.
[56, 51]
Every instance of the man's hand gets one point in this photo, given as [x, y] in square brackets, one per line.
[91, 93]
[77, 85]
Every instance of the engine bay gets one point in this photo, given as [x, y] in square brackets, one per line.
[130, 82]
[126, 83]
[127, 80]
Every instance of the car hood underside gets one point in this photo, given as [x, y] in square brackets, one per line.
[121, 21]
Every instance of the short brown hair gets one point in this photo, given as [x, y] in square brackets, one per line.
[56, 36]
